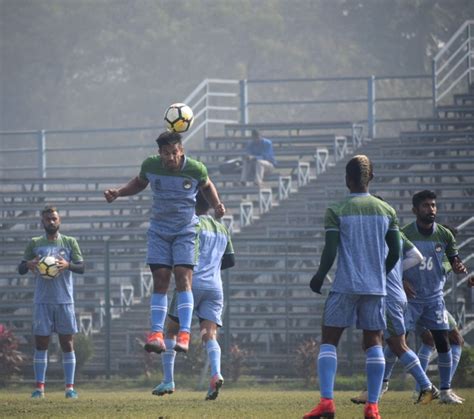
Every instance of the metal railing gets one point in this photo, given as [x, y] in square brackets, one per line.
[373, 101]
[214, 101]
[453, 65]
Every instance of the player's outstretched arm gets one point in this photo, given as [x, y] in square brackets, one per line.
[327, 259]
[134, 186]
[209, 191]
[394, 249]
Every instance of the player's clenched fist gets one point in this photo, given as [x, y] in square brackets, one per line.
[111, 194]
[219, 210]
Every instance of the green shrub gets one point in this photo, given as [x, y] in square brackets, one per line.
[464, 376]
[84, 349]
[11, 359]
[305, 363]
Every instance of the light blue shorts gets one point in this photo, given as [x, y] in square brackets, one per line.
[172, 249]
[208, 305]
[54, 318]
[429, 315]
[368, 311]
[395, 315]
[451, 324]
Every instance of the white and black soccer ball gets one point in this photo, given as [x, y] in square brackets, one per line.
[179, 117]
[47, 267]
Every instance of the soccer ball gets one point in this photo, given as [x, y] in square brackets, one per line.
[179, 117]
[47, 267]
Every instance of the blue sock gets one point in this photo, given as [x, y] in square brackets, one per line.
[40, 363]
[390, 361]
[167, 361]
[456, 350]
[327, 366]
[185, 310]
[69, 367]
[424, 354]
[214, 354]
[158, 310]
[375, 366]
[412, 365]
[445, 361]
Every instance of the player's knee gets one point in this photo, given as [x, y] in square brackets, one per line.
[427, 338]
[441, 340]
[455, 338]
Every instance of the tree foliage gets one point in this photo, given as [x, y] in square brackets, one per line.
[84, 63]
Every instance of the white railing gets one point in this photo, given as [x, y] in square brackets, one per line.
[454, 63]
[213, 101]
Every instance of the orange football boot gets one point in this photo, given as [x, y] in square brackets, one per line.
[371, 411]
[324, 409]
[182, 342]
[155, 343]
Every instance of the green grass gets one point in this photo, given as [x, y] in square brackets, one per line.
[232, 403]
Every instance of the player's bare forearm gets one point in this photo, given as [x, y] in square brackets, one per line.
[134, 186]
[209, 191]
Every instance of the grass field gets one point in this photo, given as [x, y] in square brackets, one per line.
[232, 403]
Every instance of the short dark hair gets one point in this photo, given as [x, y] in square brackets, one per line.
[201, 203]
[49, 209]
[359, 169]
[419, 197]
[168, 138]
[255, 134]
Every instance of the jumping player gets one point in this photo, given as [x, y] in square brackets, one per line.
[175, 180]
[359, 228]
[53, 298]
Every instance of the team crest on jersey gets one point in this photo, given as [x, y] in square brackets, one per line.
[187, 184]
[438, 247]
[62, 252]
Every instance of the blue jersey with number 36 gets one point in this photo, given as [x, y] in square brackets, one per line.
[428, 278]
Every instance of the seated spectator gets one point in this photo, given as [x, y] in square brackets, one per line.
[259, 159]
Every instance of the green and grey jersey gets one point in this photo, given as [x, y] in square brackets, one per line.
[60, 289]
[362, 221]
[214, 243]
[428, 278]
[174, 193]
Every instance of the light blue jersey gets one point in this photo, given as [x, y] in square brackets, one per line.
[214, 243]
[60, 289]
[428, 278]
[362, 221]
[395, 291]
[174, 193]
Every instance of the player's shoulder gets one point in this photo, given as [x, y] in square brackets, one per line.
[37, 240]
[444, 232]
[194, 168]
[209, 223]
[68, 239]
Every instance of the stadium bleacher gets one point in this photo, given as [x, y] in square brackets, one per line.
[269, 305]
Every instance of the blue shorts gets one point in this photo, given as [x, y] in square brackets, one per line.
[208, 305]
[54, 318]
[395, 315]
[429, 315]
[368, 311]
[451, 324]
[172, 249]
